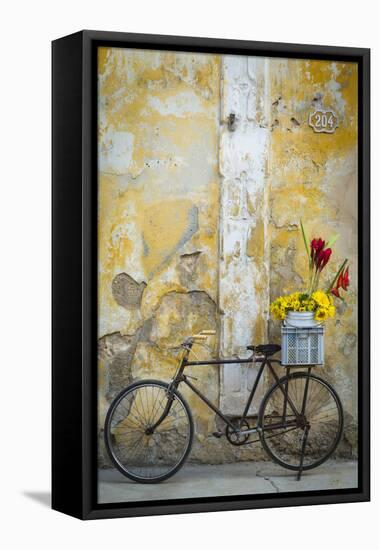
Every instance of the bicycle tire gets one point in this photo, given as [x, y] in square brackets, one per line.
[109, 437]
[266, 439]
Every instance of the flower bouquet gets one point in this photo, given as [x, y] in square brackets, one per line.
[313, 305]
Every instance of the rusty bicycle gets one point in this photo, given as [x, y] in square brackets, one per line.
[149, 427]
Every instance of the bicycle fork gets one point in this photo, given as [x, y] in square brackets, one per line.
[306, 429]
[303, 445]
[170, 396]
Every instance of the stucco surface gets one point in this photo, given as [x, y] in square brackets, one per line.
[313, 176]
[199, 221]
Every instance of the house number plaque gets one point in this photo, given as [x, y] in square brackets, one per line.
[323, 121]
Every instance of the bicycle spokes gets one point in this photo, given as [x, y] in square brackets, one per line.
[283, 430]
[142, 447]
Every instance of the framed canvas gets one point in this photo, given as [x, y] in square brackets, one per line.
[210, 274]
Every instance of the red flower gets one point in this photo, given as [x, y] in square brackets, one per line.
[319, 255]
[335, 292]
[345, 279]
[323, 258]
[342, 282]
[316, 246]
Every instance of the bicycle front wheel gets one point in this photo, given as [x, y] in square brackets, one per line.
[142, 454]
[283, 430]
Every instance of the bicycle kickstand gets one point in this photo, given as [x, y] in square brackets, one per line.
[304, 442]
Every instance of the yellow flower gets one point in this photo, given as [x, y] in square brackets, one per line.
[277, 310]
[320, 303]
[321, 314]
[321, 298]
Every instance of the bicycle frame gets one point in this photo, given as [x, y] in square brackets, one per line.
[264, 360]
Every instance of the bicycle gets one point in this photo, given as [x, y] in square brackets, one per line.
[149, 426]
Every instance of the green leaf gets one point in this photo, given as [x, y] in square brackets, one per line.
[332, 240]
[305, 240]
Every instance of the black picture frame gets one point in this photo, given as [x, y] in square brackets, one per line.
[74, 333]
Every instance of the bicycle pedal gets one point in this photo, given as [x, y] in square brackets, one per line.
[217, 434]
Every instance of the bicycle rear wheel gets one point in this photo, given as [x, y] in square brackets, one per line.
[138, 453]
[283, 431]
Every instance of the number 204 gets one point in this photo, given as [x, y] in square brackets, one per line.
[323, 121]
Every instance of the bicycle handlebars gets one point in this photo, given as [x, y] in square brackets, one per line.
[203, 335]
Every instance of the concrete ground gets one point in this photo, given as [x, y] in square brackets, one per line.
[242, 478]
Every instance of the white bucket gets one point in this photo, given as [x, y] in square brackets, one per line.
[302, 319]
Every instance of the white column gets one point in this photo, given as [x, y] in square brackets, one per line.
[244, 246]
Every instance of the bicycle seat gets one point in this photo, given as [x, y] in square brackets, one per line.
[265, 349]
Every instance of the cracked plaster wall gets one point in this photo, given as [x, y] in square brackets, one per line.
[158, 214]
[314, 177]
[160, 186]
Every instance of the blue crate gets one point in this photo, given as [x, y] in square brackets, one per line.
[302, 346]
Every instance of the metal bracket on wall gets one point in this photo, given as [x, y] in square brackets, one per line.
[231, 122]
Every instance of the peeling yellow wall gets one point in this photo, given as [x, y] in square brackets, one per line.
[158, 187]
[313, 176]
[159, 214]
